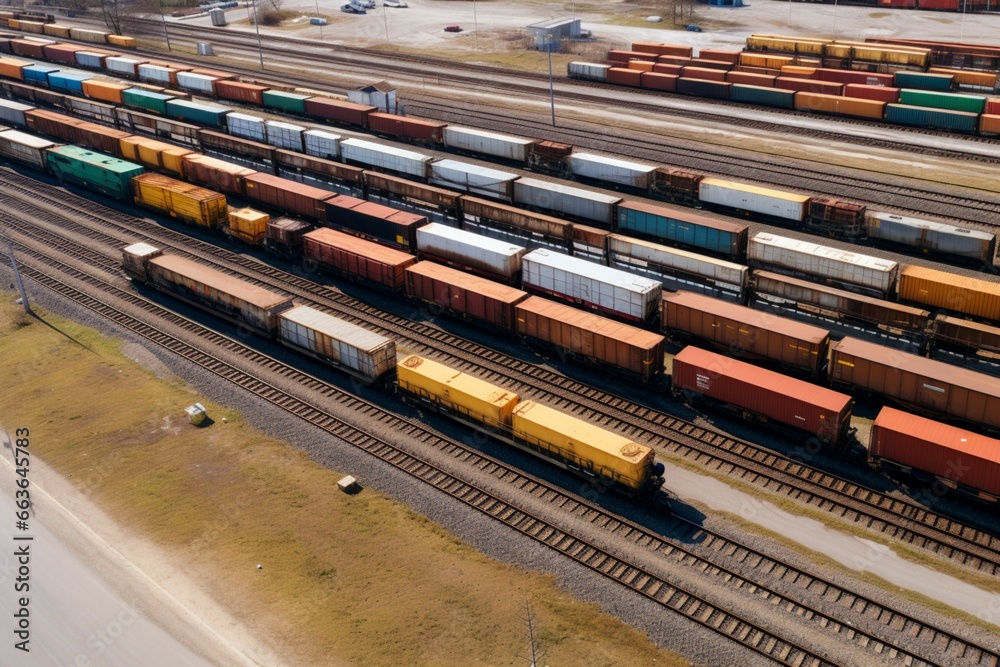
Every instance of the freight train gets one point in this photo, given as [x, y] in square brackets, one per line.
[602, 457]
[246, 134]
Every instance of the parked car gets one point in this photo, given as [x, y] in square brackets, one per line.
[352, 9]
[452, 28]
[395, 3]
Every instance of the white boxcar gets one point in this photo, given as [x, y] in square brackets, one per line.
[155, 74]
[370, 154]
[582, 204]
[285, 135]
[598, 287]
[247, 127]
[612, 170]
[933, 236]
[764, 201]
[12, 113]
[25, 148]
[364, 353]
[322, 144]
[462, 249]
[199, 82]
[679, 269]
[90, 59]
[589, 71]
[487, 143]
[123, 66]
[472, 178]
[808, 259]
[92, 36]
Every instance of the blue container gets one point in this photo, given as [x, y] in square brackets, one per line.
[681, 227]
[38, 74]
[202, 113]
[767, 97]
[941, 119]
[69, 82]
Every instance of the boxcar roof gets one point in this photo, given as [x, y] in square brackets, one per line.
[358, 246]
[590, 322]
[336, 328]
[221, 282]
[952, 437]
[468, 282]
[749, 316]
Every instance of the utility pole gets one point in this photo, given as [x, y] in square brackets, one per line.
[17, 279]
[164, 19]
[256, 23]
[552, 93]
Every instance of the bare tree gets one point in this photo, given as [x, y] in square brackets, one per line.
[119, 15]
[275, 4]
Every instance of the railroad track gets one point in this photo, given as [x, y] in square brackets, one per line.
[939, 644]
[854, 503]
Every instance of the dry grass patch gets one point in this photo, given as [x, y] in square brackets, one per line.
[360, 577]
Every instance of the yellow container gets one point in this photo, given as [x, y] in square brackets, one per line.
[796, 70]
[106, 91]
[456, 391]
[968, 77]
[178, 199]
[120, 40]
[33, 27]
[590, 447]
[6, 16]
[10, 68]
[13, 24]
[56, 30]
[172, 159]
[248, 224]
[960, 294]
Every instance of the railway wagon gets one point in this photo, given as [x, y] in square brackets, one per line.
[385, 158]
[959, 294]
[247, 224]
[374, 222]
[612, 170]
[745, 332]
[284, 135]
[216, 174]
[591, 338]
[287, 195]
[356, 258]
[364, 354]
[931, 237]
[204, 287]
[473, 179]
[762, 396]
[94, 171]
[784, 206]
[154, 154]
[577, 203]
[590, 285]
[459, 294]
[197, 205]
[922, 384]
[26, 148]
[930, 452]
[470, 252]
[684, 228]
[482, 142]
[520, 227]
[283, 237]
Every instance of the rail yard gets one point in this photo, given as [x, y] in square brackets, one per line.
[536, 333]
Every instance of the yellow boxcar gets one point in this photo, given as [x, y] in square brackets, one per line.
[182, 200]
[13, 24]
[34, 27]
[248, 224]
[152, 153]
[10, 68]
[106, 91]
[121, 40]
[813, 46]
[172, 159]
[57, 30]
[798, 71]
[456, 391]
[959, 294]
[968, 77]
[591, 448]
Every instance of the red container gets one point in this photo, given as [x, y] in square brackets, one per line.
[769, 396]
[356, 258]
[675, 60]
[301, 163]
[667, 68]
[616, 57]
[907, 4]
[657, 81]
[28, 48]
[992, 106]
[724, 65]
[949, 5]
[808, 85]
[703, 74]
[854, 76]
[663, 49]
[625, 77]
[347, 113]
[53, 124]
[408, 128]
[877, 93]
[215, 174]
[64, 53]
[100, 138]
[731, 57]
[751, 79]
[944, 451]
[238, 91]
[745, 332]
[287, 195]
[464, 295]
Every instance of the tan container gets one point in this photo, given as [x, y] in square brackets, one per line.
[968, 77]
[844, 106]
[216, 174]
[462, 393]
[34, 27]
[586, 445]
[765, 60]
[105, 91]
[56, 30]
[248, 224]
[10, 68]
[704, 73]
[178, 199]
[121, 40]
[429, 194]
[154, 154]
[989, 124]
[959, 294]
[798, 71]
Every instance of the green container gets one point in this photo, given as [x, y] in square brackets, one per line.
[139, 98]
[290, 102]
[203, 113]
[94, 171]
[767, 97]
[935, 100]
[924, 81]
[941, 119]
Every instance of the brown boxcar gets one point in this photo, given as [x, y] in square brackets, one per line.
[238, 91]
[703, 73]
[939, 289]
[761, 395]
[836, 104]
[590, 243]
[662, 49]
[623, 76]
[708, 63]
[808, 85]
[64, 53]
[464, 295]
[29, 48]
[924, 384]
[956, 456]
[718, 55]
[284, 236]
[357, 258]
[751, 79]
[745, 332]
[518, 218]
[53, 124]
[658, 81]
[846, 76]
[617, 56]
[973, 338]
[674, 60]
[878, 93]
[71, 130]
[302, 163]
[287, 195]
[667, 68]
[446, 200]
[236, 145]
[641, 65]
[590, 337]
[215, 174]
[430, 131]
[347, 113]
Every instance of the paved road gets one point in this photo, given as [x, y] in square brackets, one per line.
[76, 617]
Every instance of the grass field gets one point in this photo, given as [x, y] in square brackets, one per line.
[359, 577]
